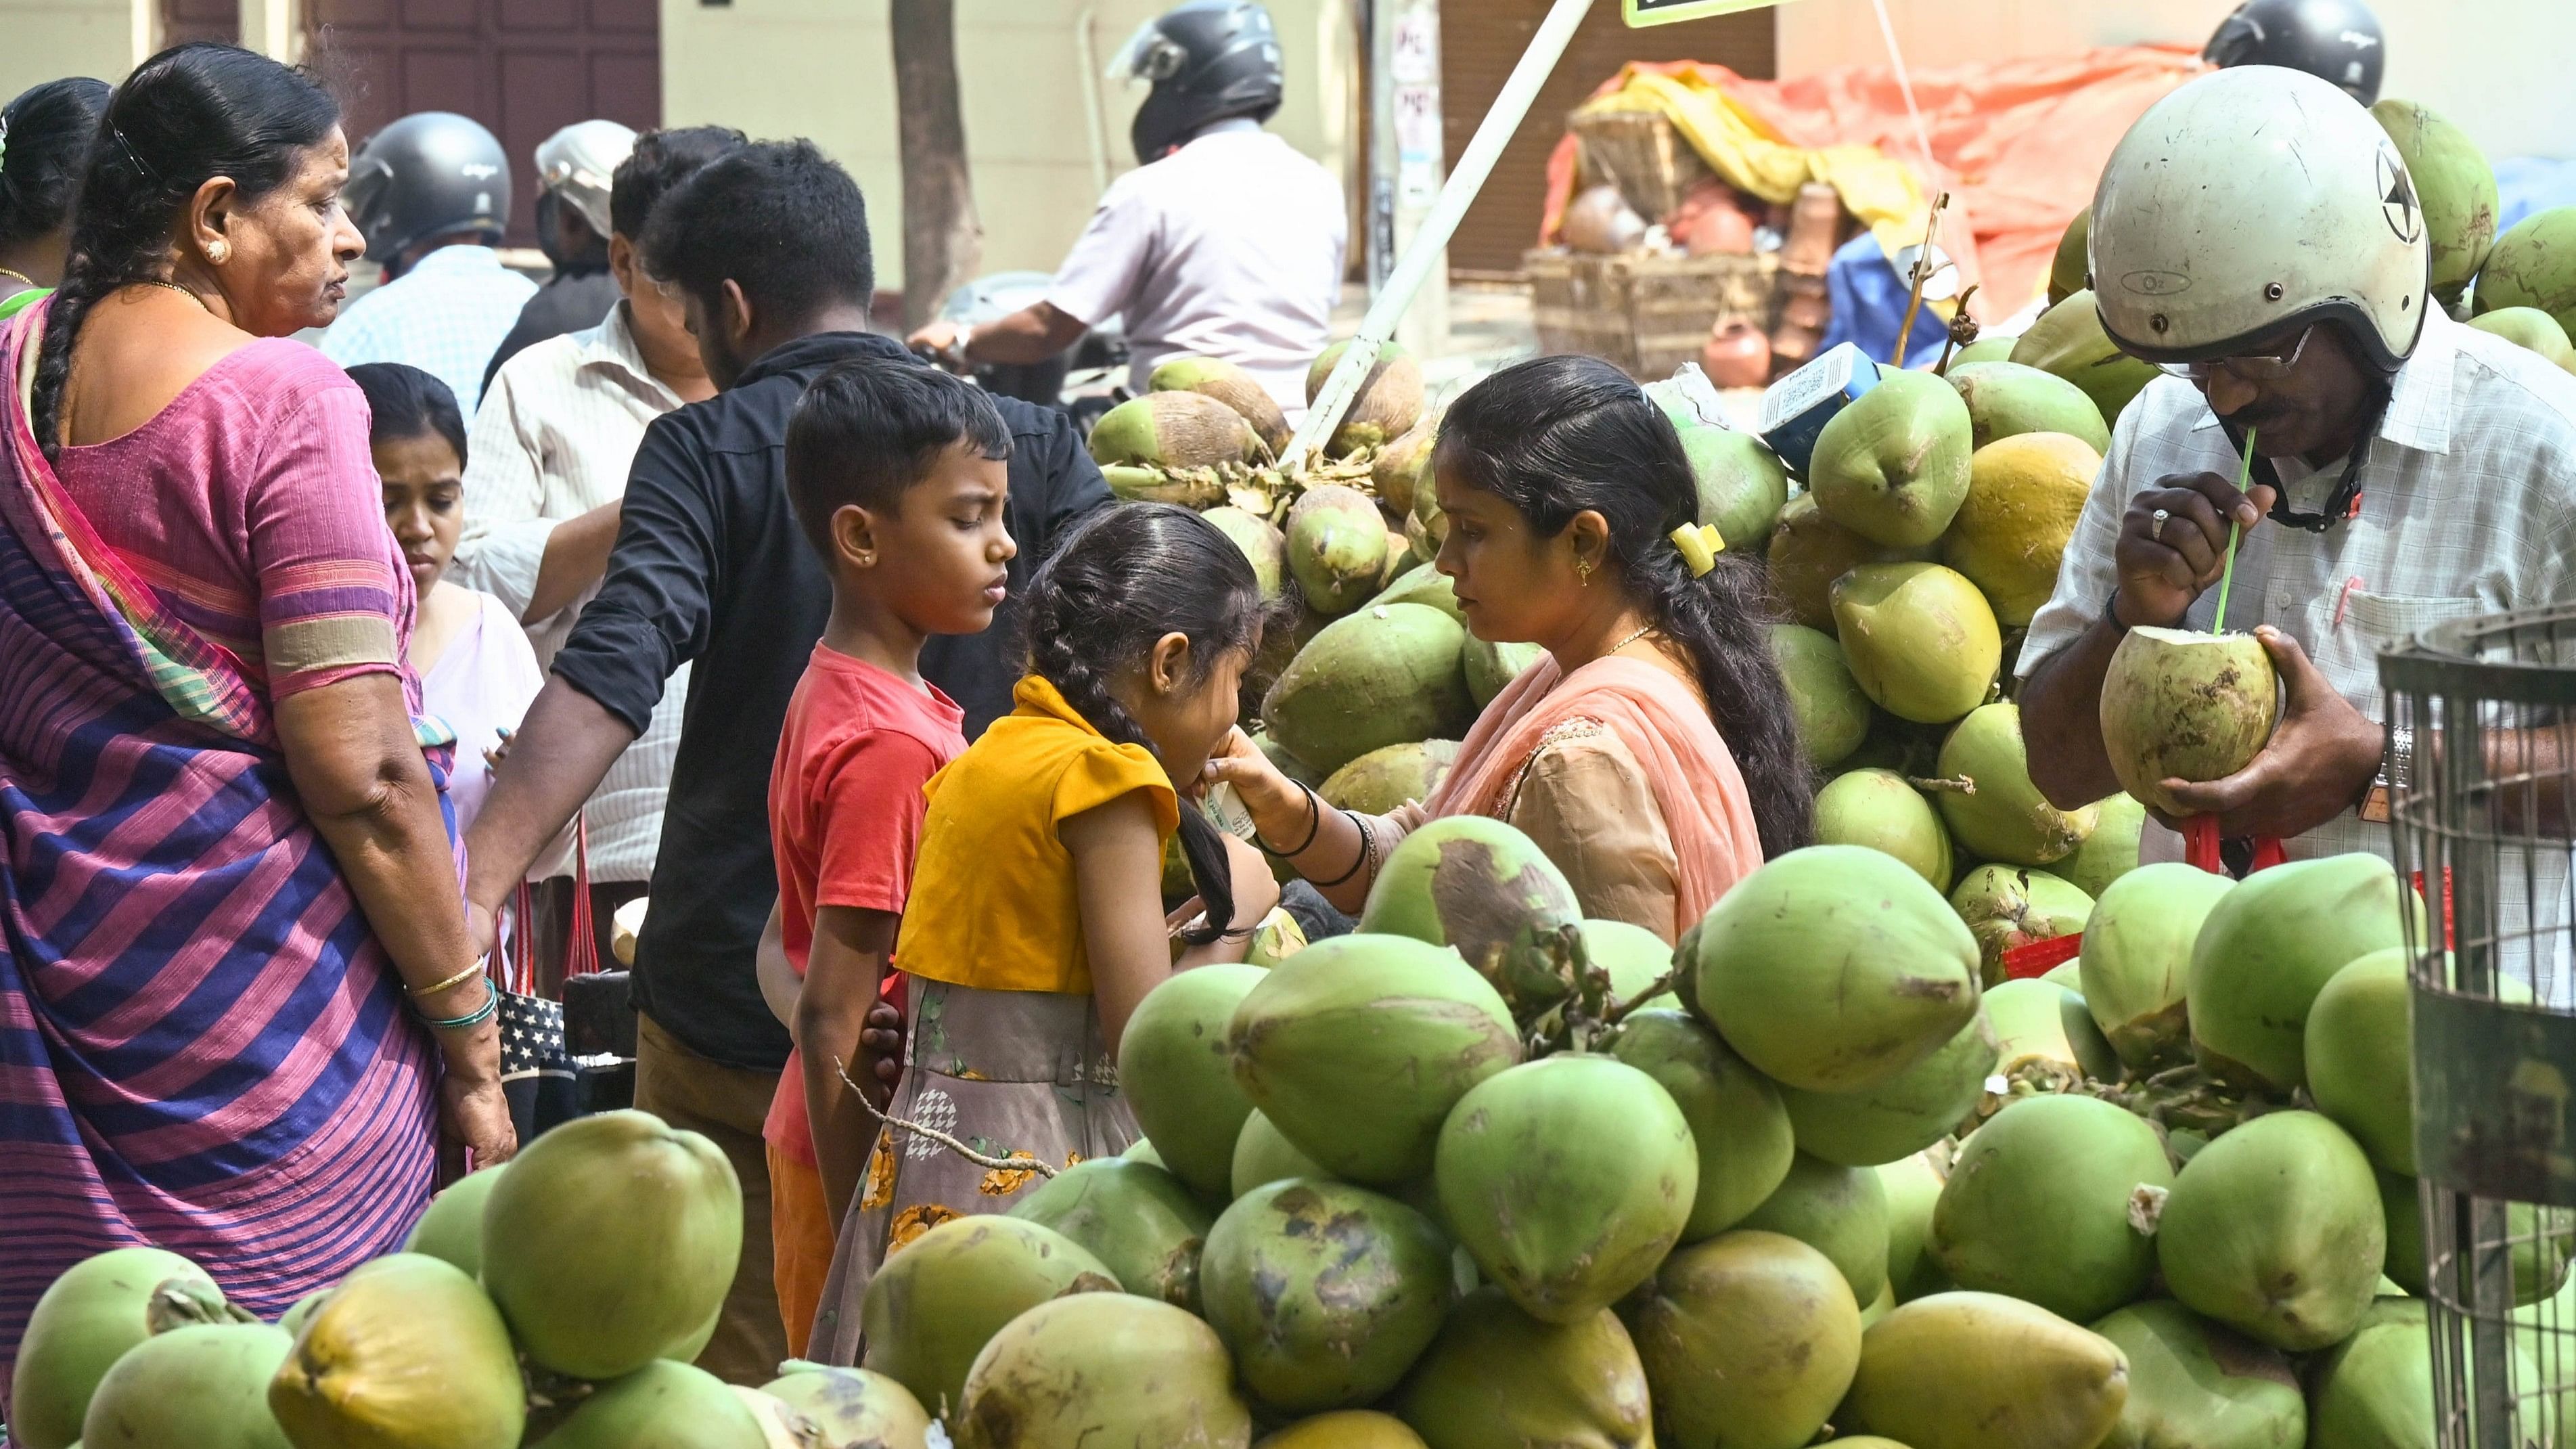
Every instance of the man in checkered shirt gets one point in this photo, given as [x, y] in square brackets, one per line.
[2257, 237]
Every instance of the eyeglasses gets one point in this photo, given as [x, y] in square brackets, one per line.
[2251, 367]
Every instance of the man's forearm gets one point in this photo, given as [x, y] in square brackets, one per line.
[576, 557]
[2061, 721]
[562, 751]
[1032, 335]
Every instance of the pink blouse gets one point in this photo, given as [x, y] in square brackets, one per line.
[251, 506]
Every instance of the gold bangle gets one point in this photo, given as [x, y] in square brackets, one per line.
[450, 984]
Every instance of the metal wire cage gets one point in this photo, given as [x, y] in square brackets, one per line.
[2485, 829]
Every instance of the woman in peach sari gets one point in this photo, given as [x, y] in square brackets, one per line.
[1650, 752]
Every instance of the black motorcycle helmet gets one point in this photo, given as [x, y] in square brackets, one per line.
[431, 174]
[2339, 40]
[1209, 61]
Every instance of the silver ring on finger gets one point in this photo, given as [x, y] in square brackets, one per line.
[2160, 518]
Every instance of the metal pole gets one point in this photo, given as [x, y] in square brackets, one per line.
[1420, 151]
[1430, 246]
[1379, 17]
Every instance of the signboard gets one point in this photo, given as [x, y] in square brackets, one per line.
[1666, 12]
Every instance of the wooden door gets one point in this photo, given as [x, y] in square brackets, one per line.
[525, 68]
[1480, 42]
[186, 20]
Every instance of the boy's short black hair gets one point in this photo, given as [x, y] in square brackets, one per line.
[407, 402]
[660, 161]
[779, 219]
[871, 427]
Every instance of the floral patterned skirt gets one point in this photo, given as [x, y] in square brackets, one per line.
[1008, 1073]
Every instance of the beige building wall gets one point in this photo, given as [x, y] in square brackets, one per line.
[42, 40]
[1042, 128]
[2501, 77]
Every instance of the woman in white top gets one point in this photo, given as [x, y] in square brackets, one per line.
[552, 443]
[477, 673]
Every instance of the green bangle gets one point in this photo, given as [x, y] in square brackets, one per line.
[491, 1007]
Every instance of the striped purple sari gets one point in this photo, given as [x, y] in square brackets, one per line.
[202, 1045]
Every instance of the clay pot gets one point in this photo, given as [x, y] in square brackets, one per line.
[1601, 221]
[1719, 230]
[1736, 354]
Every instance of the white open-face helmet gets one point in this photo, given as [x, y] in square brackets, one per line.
[578, 164]
[2249, 204]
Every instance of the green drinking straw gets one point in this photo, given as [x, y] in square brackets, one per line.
[2227, 572]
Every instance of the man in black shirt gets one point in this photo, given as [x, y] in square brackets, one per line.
[768, 249]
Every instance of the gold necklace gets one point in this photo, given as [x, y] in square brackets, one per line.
[31, 282]
[1641, 633]
[175, 287]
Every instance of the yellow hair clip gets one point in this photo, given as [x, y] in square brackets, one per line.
[1700, 546]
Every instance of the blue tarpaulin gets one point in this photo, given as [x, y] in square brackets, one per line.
[1869, 305]
[2526, 184]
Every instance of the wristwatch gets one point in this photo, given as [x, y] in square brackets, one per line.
[2396, 772]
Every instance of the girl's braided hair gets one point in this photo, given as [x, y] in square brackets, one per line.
[1130, 575]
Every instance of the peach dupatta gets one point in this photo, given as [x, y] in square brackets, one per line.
[1662, 722]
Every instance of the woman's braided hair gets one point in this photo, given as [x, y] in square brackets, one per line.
[1123, 580]
[186, 116]
[44, 147]
[1556, 436]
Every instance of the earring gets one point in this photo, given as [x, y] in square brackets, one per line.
[1583, 571]
[218, 252]
[867, 560]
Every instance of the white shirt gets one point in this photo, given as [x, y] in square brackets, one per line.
[554, 441]
[446, 316]
[480, 685]
[2468, 506]
[1229, 248]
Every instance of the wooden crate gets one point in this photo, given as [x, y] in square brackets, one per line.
[1645, 312]
[1640, 153]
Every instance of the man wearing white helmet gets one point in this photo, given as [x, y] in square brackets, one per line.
[2257, 237]
[575, 167]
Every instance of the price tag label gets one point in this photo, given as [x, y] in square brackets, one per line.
[1666, 12]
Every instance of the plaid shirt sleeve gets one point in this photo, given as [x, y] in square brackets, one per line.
[2090, 568]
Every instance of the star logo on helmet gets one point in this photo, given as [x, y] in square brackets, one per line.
[2397, 201]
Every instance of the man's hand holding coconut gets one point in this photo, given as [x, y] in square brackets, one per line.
[2199, 702]
[2257, 237]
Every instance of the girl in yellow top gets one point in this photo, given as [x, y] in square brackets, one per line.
[1035, 922]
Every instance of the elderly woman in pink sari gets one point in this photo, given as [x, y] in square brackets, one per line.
[1650, 751]
[237, 1001]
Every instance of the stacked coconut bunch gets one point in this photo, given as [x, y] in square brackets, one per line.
[554, 1301]
[1208, 435]
[1488, 1174]
[1934, 513]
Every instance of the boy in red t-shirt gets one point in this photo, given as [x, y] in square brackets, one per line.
[896, 473]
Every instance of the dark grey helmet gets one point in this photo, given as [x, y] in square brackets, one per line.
[431, 174]
[2337, 40]
[1209, 61]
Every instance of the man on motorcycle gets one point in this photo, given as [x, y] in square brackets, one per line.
[1224, 243]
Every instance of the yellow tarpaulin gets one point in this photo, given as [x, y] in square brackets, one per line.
[2017, 143]
[1747, 154]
